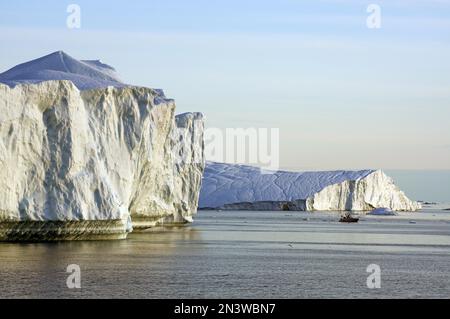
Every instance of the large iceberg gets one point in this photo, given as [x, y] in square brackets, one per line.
[241, 187]
[85, 156]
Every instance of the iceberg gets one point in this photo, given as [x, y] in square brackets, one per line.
[85, 156]
[242, 187]
[382, 212]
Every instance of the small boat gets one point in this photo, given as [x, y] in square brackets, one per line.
[347, 218]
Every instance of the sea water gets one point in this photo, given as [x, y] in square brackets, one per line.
[245, 254]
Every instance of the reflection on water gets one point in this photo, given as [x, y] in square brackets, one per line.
[244, 254]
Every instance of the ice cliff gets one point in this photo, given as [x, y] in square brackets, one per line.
[84, 156]
[228, 186]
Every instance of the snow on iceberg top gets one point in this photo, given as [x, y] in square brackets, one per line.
[85, 74]
[61, 66]
[229, 183]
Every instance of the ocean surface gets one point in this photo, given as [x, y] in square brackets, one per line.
[245, 255]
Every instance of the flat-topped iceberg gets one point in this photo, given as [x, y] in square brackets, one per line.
[84, 156]
[230, 186]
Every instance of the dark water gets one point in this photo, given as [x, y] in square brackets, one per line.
[244, 255]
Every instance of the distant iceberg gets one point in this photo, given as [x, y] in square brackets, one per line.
[241, 187]
[382, 212]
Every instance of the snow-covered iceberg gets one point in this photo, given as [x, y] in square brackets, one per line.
[382, 212]
[230, 186]
[84, 156]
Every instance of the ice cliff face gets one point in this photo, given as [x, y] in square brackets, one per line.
[86, 156]
[189, 164]
[227, 186]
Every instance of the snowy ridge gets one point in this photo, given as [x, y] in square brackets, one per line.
[85, 74]
[60, 66]
[228, 186]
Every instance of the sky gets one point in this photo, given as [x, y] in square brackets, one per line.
[344, 96]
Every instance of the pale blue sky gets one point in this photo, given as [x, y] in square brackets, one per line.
[343, 95]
